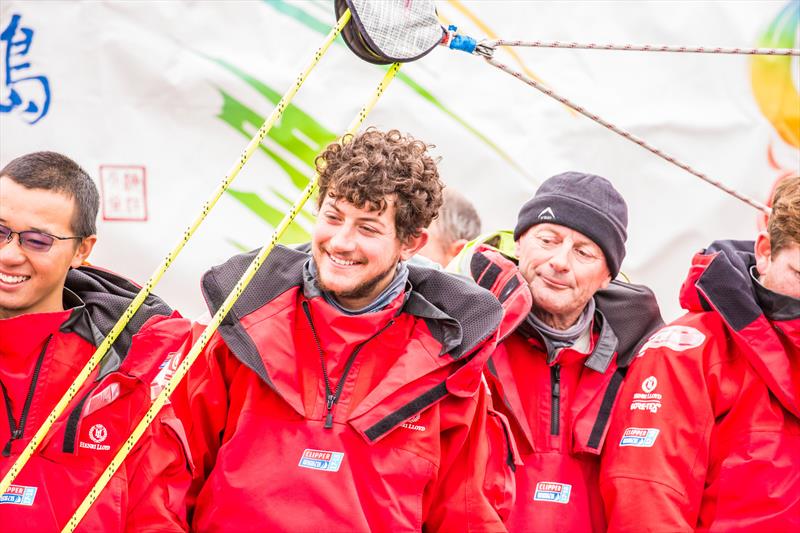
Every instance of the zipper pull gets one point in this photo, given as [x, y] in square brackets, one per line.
[16, 434]
[329, 416]
[556, 381]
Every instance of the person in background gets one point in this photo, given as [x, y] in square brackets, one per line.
[569, 332]
[707, 432]
[54, 312]
[343, 392]
[457, 223]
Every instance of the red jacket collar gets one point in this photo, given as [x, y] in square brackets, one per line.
[24, 334]
[719, 280]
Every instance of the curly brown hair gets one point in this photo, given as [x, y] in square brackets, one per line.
[784, 222]
[374, 167]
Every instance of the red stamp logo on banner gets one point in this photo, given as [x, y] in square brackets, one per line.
[124, 192]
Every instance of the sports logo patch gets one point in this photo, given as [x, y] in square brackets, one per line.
[649, 400]
[649, 384]
[19, 495]
[676, 338]
[98, 434]
[550, 491]
[547, 214]
[321, 460]
[639, 437]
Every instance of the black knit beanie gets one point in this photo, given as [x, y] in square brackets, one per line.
[586, 203]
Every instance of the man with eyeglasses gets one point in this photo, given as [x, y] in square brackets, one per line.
[54, 312]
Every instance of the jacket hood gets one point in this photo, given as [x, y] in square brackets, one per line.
[460, 316]
[720, 280]
[98, 299]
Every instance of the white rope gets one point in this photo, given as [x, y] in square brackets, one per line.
[619, 131]
[646, 48]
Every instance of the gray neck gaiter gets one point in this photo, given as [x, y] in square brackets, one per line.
[311, 288]
[561, 338]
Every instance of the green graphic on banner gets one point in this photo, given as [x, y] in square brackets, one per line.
[301, 135]
[305, 146]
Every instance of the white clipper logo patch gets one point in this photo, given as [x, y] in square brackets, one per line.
[649, 401]
[676, 338]
[19, 495]
[639, 437]
[321, 460]
[550, 491]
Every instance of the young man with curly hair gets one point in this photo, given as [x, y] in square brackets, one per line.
[707, 435]
[343, 392]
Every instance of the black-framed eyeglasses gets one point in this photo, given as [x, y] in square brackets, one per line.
[34, 241]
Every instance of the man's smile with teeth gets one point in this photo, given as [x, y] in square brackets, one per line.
[8, 278]
[340, 261]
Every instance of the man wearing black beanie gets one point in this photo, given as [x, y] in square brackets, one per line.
[568, 336]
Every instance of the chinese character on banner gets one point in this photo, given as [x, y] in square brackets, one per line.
[124, 192]
[18, 90]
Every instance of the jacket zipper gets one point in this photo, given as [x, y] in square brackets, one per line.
[332, 396]
[18, 431]
[71, 430]
[555, 390]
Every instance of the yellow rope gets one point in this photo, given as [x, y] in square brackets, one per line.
[157, 275]
[237, 291]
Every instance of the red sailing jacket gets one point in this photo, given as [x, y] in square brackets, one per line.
[707, 436]
[49, 349]
[409, 444]
[559, 408]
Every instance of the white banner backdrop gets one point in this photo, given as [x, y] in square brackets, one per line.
[157, 99]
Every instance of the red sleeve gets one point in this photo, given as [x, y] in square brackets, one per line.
[159, 477]
[201, 403]
[475, 483]
[657, 452]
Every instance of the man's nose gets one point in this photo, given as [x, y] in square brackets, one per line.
[560, 258]
[11, 252]
[343, 239]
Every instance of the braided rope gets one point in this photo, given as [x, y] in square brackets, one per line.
[86, 371]
[631, 137]
[646, 48]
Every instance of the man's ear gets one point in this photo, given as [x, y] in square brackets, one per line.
[763, 251]
[411, 245]
[456, 246]
[83, 250]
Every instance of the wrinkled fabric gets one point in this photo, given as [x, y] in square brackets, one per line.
[707, 432]
[413, 445]
[148, 491]
[553, 396]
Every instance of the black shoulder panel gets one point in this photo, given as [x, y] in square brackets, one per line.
[633, 314]
[475, 309]
[106, 296]
[728, 285]
[282, 270]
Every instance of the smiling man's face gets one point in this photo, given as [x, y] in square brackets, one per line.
[356, 250]
[563, 268]
[33, 281]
